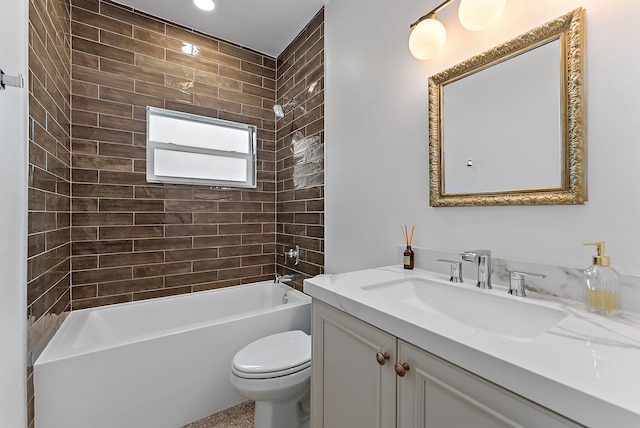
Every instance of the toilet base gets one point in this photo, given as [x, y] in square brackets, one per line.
[282, 414]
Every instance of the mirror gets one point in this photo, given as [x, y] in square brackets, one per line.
[506, 127]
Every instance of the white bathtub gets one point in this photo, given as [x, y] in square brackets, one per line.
[157, 363]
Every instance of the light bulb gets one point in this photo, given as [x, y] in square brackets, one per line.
[205, 4]
[476, 15]
[427, 38]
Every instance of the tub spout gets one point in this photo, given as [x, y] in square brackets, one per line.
[283, 278]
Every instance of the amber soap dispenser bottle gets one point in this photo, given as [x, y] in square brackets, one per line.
[602, 294]
[408, 252]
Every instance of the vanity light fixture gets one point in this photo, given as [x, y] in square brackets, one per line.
[428, 35]
[207, 5]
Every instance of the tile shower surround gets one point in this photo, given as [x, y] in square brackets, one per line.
[49, 186]
[94, 67]
[300, 153]
[134, 240]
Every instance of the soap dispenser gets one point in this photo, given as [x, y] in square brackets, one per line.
[602, 294]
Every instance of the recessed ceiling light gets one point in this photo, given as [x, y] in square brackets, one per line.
[205, 4]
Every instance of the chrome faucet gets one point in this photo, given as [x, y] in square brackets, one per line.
[516, 282]
[456, 270]
[483, 258]
[283, 278]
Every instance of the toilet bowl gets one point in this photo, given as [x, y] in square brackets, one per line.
[275, 372]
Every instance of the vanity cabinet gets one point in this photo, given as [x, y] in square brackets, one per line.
[349, 387]
[354, 385]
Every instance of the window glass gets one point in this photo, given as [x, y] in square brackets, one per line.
[191, 149]
[187, 132]
[170, 163]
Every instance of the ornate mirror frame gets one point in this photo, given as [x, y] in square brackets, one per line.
[569, 30]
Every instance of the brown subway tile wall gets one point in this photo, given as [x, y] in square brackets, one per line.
[134, 240]
[300, 153]
[49, 233]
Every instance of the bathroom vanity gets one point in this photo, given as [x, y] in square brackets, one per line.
[395, 348]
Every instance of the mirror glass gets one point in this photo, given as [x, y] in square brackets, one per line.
[506, 126]
[479, 135]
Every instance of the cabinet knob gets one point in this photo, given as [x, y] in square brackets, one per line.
[382, 358]
[401, 369]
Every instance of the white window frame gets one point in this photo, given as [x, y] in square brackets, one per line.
[250, 157]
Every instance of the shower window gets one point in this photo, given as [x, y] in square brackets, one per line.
[185, 148]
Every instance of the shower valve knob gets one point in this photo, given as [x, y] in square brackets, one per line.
[292, 254]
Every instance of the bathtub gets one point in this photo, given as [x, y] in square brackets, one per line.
[157, 363]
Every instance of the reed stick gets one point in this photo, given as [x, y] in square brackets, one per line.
[408, 238]
[413, 228]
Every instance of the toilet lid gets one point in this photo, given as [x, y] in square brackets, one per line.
[275, 355]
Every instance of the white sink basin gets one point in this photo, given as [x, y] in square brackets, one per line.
[508, 317]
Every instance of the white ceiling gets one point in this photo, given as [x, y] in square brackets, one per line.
[267, 26]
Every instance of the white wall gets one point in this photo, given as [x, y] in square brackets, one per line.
[13, 217]
[377, 139]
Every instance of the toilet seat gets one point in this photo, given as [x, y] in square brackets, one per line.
[273, 356]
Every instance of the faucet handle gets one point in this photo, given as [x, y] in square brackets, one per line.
[292, 254]
[516, 281]
[456, 270]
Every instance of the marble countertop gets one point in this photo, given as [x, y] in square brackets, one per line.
[586, 367]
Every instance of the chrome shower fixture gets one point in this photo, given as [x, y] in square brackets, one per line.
[314, 88]
[280, 110]
[292, 254]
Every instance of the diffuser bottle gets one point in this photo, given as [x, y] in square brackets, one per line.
[602, 294]
[408, 257]
[408, 252]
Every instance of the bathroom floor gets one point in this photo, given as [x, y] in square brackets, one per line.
[240, 416]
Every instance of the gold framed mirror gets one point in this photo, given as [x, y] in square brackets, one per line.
[506, 127]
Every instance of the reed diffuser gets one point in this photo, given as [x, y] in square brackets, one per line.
[408, 252]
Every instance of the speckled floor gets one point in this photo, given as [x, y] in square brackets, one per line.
[240, 416]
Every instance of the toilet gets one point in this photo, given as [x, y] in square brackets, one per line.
[275, 372]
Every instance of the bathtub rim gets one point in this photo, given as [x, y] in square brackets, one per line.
[52, 352]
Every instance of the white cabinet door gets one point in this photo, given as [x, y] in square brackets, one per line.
[349, 388]
[437, 394]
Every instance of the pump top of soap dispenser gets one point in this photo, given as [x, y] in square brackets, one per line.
[600, 259]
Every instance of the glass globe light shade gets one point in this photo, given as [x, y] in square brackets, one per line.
[476, 15]
[427, 38]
